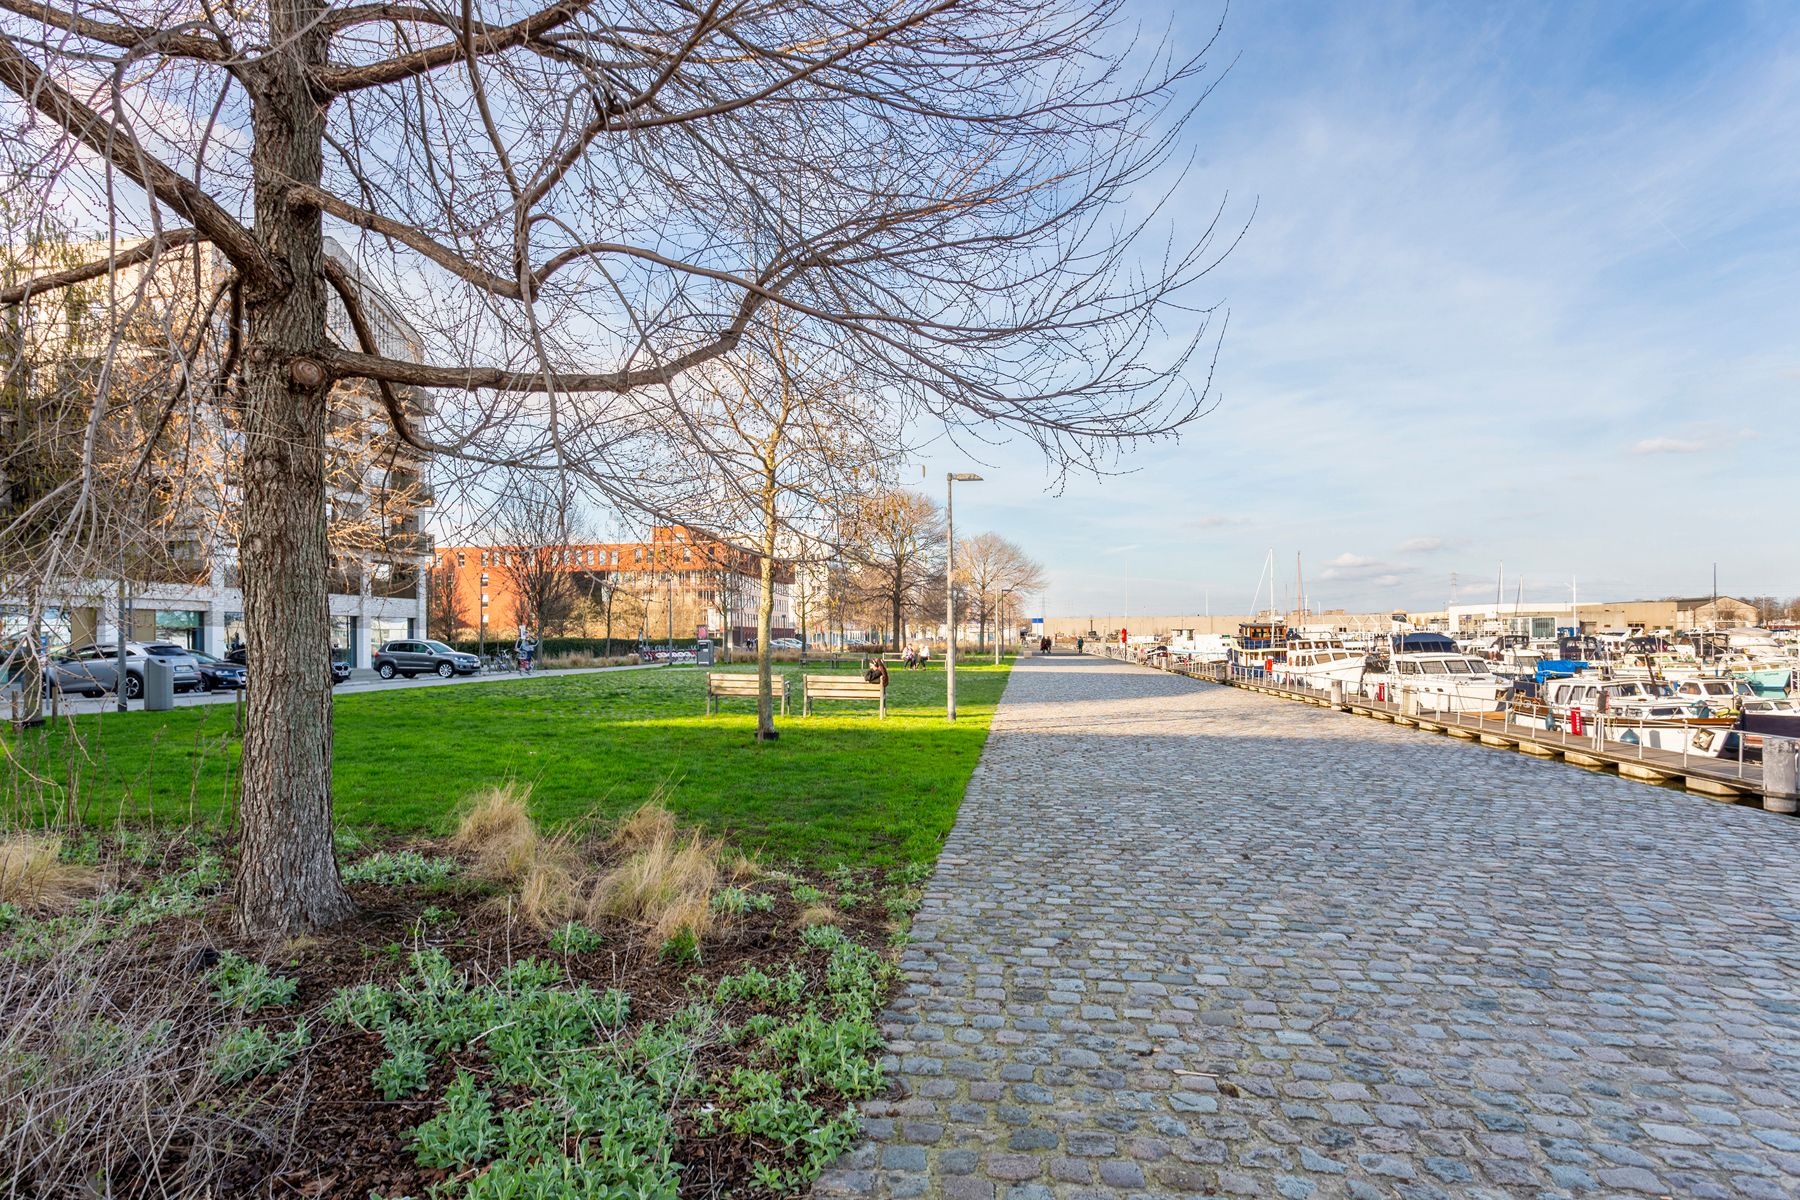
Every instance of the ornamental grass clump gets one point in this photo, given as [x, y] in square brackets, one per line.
[33, 874]
[666, 886]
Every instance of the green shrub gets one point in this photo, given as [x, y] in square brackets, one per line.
[247, 985]
[250, 1050]
[464, 1134]
[737, 900]
[755, 985]
[397, 868]
[682, 949]
[575, 938]
[808, 896]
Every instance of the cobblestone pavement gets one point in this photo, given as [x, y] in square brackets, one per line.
[1188, 940]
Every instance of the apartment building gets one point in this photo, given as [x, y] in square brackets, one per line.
[677, 583]
[174, 576]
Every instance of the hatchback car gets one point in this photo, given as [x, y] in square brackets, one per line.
[421, 657]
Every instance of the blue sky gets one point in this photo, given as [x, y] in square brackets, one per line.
[1522, 286]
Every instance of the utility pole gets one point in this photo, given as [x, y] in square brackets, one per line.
[951, 479]
[1000, 625]
[124, 616]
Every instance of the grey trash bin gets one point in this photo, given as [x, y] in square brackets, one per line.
[1781, 774]
[159, 685]
[703, 653]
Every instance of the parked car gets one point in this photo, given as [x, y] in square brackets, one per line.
[96, 666]
[412, 657]
[340, 671]
[217, 675]
[784, 643]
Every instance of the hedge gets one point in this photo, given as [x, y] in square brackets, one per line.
[553, 647]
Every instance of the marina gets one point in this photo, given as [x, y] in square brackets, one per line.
[1639, 730]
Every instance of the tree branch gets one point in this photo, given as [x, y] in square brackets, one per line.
[349, 364]
[128, 37]
[478, 39]
[304, 195]
[143, 251]
[117, 144]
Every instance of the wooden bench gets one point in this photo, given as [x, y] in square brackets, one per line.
[840, 687]
[738, 685]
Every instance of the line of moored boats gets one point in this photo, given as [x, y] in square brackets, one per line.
[1714, 693]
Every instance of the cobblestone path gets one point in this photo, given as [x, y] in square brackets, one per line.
[1187, 940]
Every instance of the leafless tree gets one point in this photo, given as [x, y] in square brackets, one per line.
[792, 443]
[586, 199]
[447, 615]
[897, 537]
[531, 546]
[987, 565]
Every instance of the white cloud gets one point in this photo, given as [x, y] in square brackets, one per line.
[1352, 560]
[1668, 445]
[1421, 545]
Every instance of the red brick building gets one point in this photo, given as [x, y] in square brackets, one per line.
[677, 578]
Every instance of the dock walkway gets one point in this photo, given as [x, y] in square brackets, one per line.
[1191, 940]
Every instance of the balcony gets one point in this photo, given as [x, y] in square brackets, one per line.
[395, 583]
[409, 544]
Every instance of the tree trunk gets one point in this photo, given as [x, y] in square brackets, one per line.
[288, 880]
[895, 599]
[765, 612]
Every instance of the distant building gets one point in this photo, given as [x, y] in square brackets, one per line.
[181, 572]
[680, 581]
[1618, 616]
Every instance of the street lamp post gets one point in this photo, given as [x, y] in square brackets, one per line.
[950, 481]
[1000, 625]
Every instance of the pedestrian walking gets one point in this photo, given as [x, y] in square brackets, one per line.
[526, 647]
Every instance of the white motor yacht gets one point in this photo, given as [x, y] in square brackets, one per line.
[1429, 668]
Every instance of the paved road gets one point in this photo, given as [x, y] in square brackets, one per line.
[361, 680]
[1188, 940]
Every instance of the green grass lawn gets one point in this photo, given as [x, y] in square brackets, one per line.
[839, 786]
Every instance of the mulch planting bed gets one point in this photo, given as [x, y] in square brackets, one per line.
[341, 1137]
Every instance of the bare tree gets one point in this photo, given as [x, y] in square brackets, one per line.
[447, 614]
[531, 552]
[987, 565]
[898, 538]
[790, 442]
[589, 198]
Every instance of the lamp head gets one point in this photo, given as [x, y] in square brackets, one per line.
[965, 477]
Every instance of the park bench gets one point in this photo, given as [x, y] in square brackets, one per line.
[840, 687]
[741, 686]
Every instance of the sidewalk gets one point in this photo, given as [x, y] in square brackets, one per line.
[1187, 940]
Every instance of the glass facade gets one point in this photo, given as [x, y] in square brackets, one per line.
[343, 639]
[181, 626]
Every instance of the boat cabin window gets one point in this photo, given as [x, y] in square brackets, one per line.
[1408, 668]
[1432, 666]
[1458, 666]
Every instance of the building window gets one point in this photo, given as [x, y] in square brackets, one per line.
[615, 558]
[638, 555]
[484, 578]
[459, 559]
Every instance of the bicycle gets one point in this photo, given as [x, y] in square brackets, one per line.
[499, 661]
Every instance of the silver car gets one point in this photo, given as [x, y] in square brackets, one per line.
[93, 669]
